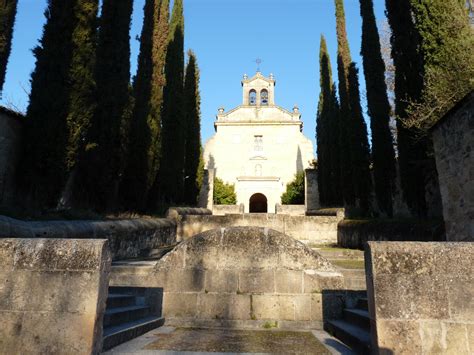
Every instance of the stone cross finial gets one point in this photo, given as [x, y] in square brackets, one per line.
[258, 61]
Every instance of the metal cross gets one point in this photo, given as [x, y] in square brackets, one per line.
[258, 61]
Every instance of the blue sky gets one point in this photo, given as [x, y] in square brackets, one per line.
[227, 36]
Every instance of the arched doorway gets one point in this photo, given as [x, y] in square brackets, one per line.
[258, 203]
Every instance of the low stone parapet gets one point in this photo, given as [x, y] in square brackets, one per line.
[128, 238]
[356, 233]
[312, 229]
[421, 297]
[52, 295]
[222, 210]
[292, 210]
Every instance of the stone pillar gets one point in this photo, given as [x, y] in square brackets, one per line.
[52, 295]
[420, 297]
[311, 199]
[206, 195]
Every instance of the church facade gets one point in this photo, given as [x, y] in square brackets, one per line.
[258, 146]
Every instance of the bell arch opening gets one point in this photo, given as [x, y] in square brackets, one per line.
[258, 203]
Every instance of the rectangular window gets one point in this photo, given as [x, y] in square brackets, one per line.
[258, 143]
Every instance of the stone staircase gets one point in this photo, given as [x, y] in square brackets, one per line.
[354, 329]
[127, 316]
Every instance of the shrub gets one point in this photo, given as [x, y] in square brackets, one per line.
[224, 194]
[294, 194]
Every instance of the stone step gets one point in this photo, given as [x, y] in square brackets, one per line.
[119, 300]
[355, 283]
[340, 254]
[352, 272]
[116, 335]
[362, 303]
[357, 317]
[119, 315]
[357, 338]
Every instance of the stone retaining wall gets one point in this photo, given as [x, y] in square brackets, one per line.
[314, 229]
[421, 297]
[52, 295]
[292, 210]
[355, 234]
[127, 238]
[243, 276]
[453, 141]
[222, 210]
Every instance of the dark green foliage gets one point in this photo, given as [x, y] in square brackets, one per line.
[383, 154]
[224, 194]
[327, 134]
[447, 48]
[354, 148]
[294, 194]
[144, 138]
[101, 162]
[82, 100]
[360, 151]
[192, 102]
[7, 20]
[173, 141]
[61, 99]
[412, 149]
[343, 63]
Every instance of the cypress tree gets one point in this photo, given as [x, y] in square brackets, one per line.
[7, 20]
[327, 134]
[360, 151]
[412, 150]
[173, 144]
[192, 102]
[101, 162]
[43, 167]
[447, 49]
[354, 148]
[144, 141]
[343, 63]
[383, 154]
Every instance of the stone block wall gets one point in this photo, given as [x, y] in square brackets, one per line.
[356, 233]
[313, 229]
[222, 210]
[10, 144]
[421, 297]
[127, 238]
[292, 210]
[453, 140]
[52, 295]
[241, 276]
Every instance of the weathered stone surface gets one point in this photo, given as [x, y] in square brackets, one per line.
[355, 234]
[246, 274]
[127, 238]
[420, 296]
[453, 141]
[222, 281]
[257, 281]
[398, 337]
[288, 281]
[317, 229]
[52, 295]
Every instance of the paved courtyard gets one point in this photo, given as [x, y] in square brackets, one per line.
[194, 341]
